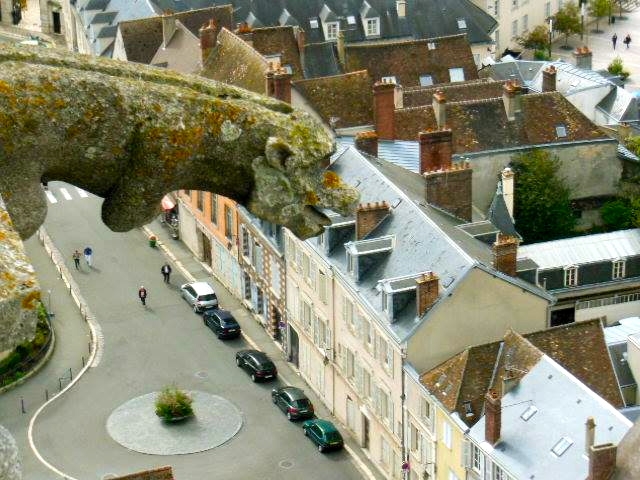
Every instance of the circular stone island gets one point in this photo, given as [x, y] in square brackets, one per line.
[134, 425]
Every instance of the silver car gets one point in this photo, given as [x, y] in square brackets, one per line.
[200, 295]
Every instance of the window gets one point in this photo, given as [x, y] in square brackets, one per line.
[246, 243]
[618, 269]
[499, 474]
[525, 22]
[389, 79]
[313, 22]
[514, 4]
[351, 20]
[332, 31]
[528, 413]
[366, 384]
[562, 446]
[462, 23]
[426, 80]
[305, 266]
[431, 45]
[322, 287]
[351, 263]
[367, 334]
[561, 130]
[213, 198]
[350, 365]
[447, 434]
[571, 276]
[547, 10]
[373, 26]
[228, 222]
[200, 200]
[476, 459]
[514, 28]
[347, 312]
[385, 452]
[456, 74]
[413, 438]
[425, 409]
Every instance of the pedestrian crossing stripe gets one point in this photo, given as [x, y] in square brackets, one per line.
[82, 193]
[51, 197]
[65, 194]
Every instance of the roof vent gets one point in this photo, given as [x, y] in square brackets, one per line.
[562, 446]
[528, 413]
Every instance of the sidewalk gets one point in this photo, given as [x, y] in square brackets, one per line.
[181, 257]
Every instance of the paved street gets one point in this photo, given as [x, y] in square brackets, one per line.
[144, 350]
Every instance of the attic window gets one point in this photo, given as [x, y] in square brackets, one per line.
[561, 130]
[468, 411]
[313, 22]
[431, 45]
[426, 80]
[351, 20]
[528, 413]
[389, 79]
[288, 69]
[332, 30]
[462, 24]
[373, 27]
[562, 446]
[456, 74]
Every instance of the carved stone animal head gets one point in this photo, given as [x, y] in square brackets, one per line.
[131, 134]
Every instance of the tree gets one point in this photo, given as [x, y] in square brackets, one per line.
[537, 39]
[542, 206]
[567, 21]
[616, 67]
[599, 9]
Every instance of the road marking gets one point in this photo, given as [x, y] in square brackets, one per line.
[82, 193]
[51, 197]
[65, 194]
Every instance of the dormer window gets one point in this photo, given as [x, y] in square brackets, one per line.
[351, 20]
[462, 24]
[456, 74]
[332, 30]
[313, 22]
[426, 80]
[571, 276]
[618, 269]
[373, 27]
[389, 79]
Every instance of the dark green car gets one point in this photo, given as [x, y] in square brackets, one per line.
[323, 433]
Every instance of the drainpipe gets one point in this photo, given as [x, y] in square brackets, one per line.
[403, 397]
[333, 340]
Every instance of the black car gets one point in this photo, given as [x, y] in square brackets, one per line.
[222, 323]
[293, 402]
[257, 364]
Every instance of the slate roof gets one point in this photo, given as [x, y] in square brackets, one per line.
[348, 97]
[585, 249]
[236, 62]
[499, 216]
[579, 347]
[424, 18]
[562, 405]
[321, 60]
[409, 59]
[483, 125]
[282, 41]
[143, 37]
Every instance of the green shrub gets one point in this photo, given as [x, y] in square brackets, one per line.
[541, 55]
[617, 68]
[173, 403]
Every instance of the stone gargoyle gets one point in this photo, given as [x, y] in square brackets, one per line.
[131, 133]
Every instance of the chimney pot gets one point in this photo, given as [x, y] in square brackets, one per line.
[505, 254]
[369, 216]
[492, 416]
[511, 97]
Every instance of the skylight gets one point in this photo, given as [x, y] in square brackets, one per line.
[561, 130]
[313, 22]
[431, 45]
[562, 446]
[426, 80]
[462, 23]
[351, 20]
[528, 413]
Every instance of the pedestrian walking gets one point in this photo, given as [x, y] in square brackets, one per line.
[166, 272]
[614, 40]
[76, 259]
[88, 255]
[627, 40]
[142, 295]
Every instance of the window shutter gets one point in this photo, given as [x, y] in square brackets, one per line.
[466, 454]
[359, 376]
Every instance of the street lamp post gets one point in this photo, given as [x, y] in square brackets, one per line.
[583, 6]
[550, 30]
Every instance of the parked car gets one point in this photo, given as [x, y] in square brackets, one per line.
[323, 433]
[222, 323]
[293, 402]
[257, 364]
[200, 295]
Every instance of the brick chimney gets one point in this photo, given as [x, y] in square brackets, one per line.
[301, 40]
[450, 190]
[435, 150]
[168, 26]
[278, 84]
[508, 189]
[384, 105]
[511, 96]
[492, 417]
[367, 142]
[427, 289]
[505, 254]
[401, 8]
[549, 79]
[369, 216]
[590, 434]
[208, 39]
[602, 461]
[439, 104]
[583, 57]
[341, 49]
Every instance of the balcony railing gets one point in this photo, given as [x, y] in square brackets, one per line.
[603, 302]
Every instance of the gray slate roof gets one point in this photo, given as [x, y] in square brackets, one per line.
[563, 405]
[321, 60]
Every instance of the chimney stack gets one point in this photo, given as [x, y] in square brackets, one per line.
[440, 108]
[401, 8]
[436, 149]
[450, 189]
[367, 142]
[168, 27]
[301, 40]
[511, 96]
[492, 417]
[427, 289]
[384, 105]
[208, 39]
[341, 49]
[505, 254]
[549, 79]
[602, 461]
[369, 216]
[590, 434]
[508, 189]
[278, 84]
[583, 57]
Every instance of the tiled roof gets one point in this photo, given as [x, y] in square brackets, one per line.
[142, 38]
[454, 92]
[348, 97]
[483, 125]
[408, 60]
[162, 473]
[282, 41]
[234, 61]
[578, 347]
